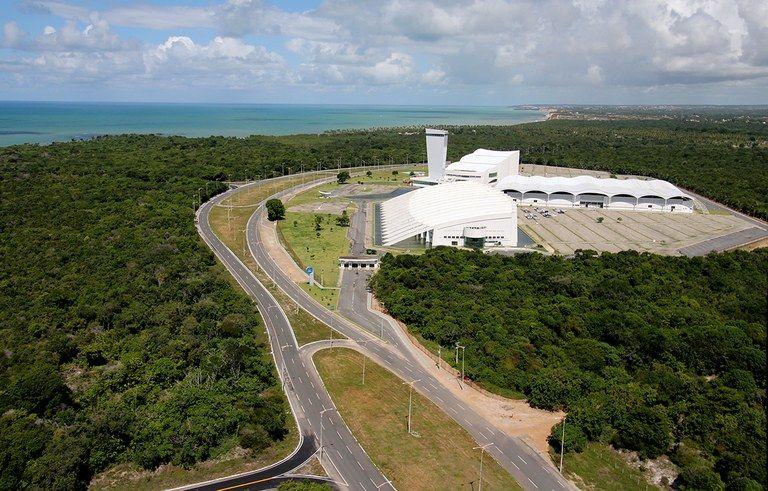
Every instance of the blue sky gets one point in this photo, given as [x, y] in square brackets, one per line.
[480, 52]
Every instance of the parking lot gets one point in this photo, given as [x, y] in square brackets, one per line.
[613, 231]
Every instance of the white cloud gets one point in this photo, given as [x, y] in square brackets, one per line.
[595, 74]
[13, 35]
[553, 45]
[222, 62]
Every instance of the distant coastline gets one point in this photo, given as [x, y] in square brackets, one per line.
[46, 122]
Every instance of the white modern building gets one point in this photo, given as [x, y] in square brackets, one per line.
[592, 192]
[484, 166]
[462, 213]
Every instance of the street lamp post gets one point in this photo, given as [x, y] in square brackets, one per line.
[457, 353]
[410, 402]
[282, 356]
[482, 451]
[462, 359]
[364, 359]
[562, 445]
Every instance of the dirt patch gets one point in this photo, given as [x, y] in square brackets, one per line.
[660, 472]
[268, 236]
[311, 468]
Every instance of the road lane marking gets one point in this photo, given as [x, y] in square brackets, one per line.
[524, 462]
[534, 484]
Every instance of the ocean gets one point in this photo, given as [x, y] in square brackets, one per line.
[45, 122]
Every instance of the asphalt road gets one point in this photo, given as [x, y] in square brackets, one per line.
[728, 241]
[342, 456]
[394, 353]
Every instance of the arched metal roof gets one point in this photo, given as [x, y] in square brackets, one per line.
[444, 205]
[591, 185]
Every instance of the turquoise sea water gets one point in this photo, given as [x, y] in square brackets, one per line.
[44, 122]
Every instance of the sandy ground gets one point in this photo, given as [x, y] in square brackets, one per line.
[268, 235]
[514, 417]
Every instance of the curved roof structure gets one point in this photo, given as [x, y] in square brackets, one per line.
[444, 205]
[480, 160]
[591, 185]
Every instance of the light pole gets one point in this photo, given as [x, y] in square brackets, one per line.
[439, 355]
[562, 445]
[410, 402]
[482, 451]
[462, 360]
[365, 358]
[457, 353]
[321, 429]
[244, 239]
[282, 356]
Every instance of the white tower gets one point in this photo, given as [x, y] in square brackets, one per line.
[437, 152]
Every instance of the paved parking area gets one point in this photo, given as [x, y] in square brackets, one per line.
[662, 233]
[331, 207]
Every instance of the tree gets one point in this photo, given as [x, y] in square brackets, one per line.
[368, 173]
[343, 219]
[394, 172]
[645, 429]
[342, 177]
[318, 223]
[275, 210]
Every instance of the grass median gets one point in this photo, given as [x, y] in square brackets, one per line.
[442, 456]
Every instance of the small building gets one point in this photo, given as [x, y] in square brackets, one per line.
[484, 166]
[462, 213]
[592, 192]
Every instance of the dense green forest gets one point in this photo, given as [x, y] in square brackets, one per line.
[121, 338]
[122, 341]
[650, 353]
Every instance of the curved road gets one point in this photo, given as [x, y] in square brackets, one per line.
[395, 353]
[343, 458]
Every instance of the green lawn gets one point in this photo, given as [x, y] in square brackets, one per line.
[386, 176]
[319, 249]
[442, 456]
[599, 468]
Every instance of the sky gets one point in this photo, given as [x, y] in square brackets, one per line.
[448, 52]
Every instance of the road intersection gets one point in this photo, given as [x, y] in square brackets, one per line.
[372, 334]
